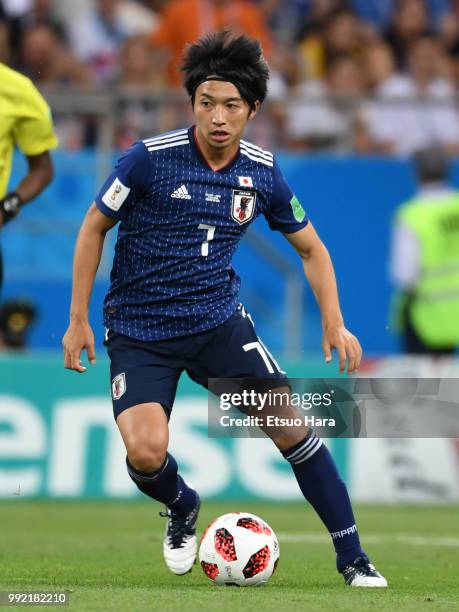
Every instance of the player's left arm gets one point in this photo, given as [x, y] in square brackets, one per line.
[319, 271]
[286, 214]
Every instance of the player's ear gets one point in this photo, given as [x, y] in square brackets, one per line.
[254, 111]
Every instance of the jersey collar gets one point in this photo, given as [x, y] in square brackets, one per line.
[197, 151]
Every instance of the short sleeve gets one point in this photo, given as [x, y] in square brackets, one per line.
[126, 183]
[33, 131]
[285, 213]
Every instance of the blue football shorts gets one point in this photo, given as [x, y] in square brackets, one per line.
[143, 372]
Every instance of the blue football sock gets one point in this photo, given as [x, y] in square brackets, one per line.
[321, 485]
[165, 485]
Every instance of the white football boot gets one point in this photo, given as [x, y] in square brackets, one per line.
[361, 573]
[180, 546]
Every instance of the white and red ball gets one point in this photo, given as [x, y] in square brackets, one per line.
[240, 549]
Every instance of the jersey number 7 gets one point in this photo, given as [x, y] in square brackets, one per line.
[210, 236]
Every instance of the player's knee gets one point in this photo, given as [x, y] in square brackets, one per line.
[147, 458]
[286, 439]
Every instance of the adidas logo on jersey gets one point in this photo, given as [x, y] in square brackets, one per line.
[181, 193]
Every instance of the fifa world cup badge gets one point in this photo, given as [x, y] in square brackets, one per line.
[119, 386]
[243, 205]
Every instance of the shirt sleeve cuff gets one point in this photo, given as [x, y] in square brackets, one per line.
[41, 147]
[113, 214]
[289, 228]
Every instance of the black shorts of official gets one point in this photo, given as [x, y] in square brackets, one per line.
[143, 372]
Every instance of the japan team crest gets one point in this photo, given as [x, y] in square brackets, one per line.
[119, 386]
[243, 205]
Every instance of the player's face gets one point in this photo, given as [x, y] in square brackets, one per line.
[221, 114]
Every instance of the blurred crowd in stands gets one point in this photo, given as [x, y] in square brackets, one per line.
[373, 76]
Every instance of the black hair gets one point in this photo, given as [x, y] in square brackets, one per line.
[431, 165]
[225, 56]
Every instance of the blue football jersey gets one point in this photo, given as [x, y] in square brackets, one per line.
[180, 224]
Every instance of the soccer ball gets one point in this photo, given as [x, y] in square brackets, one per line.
[239, 549]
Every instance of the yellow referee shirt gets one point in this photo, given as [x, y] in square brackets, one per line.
[25, 121]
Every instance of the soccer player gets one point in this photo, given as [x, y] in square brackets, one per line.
[25, 122]
[184, 200]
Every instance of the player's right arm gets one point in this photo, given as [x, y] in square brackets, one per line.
[111, 205]
[88, 251]
[119, 192]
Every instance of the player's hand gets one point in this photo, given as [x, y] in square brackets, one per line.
[347, 346]
[79, 336]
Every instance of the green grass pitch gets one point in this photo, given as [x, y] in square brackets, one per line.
[108, 555]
